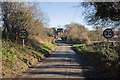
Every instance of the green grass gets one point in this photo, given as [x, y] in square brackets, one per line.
[108, 57]
[78, 45]
[51, 46]
[16, 59]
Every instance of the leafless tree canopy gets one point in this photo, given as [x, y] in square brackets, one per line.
[18, 16]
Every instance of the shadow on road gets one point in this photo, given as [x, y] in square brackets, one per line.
[64, 63]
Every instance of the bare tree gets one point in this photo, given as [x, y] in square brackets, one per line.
[77, 33]
[18, 16]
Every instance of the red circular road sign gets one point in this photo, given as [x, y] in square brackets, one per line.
[108, 33]
[23, 34]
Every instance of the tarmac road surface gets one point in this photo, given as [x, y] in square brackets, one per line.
[63, 63]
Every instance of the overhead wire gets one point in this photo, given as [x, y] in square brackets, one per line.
[75, 12]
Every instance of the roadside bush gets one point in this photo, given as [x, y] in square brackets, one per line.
[109, 54]
[109, 57]
[117, 49]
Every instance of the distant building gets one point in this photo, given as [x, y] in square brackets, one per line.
[59, 33]
[60, 30]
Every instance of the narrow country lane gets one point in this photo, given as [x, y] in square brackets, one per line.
[63, 63]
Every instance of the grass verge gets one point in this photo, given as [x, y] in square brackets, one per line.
[101, 58]
[16, 59]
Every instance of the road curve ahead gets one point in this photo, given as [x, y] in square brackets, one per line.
[63, 63]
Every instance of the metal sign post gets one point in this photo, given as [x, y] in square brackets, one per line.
[107, 43]
[23, 34]
[108, 33]
[23, 42]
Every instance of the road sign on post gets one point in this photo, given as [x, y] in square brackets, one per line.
[108, 33]
[23, 34]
